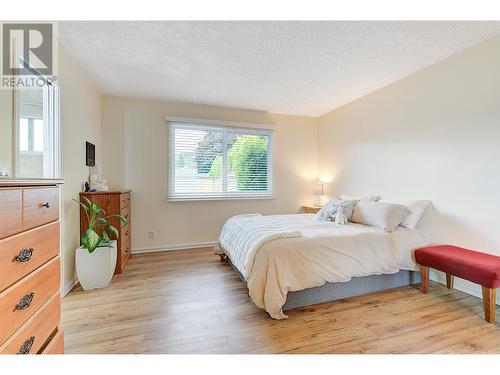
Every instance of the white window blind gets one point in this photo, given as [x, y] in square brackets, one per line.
[217, 162]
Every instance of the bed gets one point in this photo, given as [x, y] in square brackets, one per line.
[289, 261]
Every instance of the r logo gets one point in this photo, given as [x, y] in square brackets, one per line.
[27, 48]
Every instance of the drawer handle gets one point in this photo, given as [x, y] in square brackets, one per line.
[23, 256]
[26, 346]
[25, 302]
[46, 205]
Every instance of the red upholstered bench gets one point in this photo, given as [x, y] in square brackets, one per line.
[480, 268]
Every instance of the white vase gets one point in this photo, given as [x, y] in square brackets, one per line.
[95, 270]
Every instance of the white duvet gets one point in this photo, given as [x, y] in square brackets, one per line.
[285, 253]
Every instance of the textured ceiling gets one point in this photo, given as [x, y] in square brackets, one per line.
[305, 68]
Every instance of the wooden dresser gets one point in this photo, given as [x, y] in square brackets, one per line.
[30, 300]
[113, 202]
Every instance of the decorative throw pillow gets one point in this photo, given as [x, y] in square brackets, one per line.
[338, 211]
[327, 209]
[382, 215]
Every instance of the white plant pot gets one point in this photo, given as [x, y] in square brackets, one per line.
[95, 270]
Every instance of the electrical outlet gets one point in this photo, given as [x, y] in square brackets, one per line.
[151, 235]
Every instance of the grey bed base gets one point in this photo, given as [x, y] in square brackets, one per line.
[356, 287]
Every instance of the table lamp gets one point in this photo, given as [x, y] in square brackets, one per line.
[318, 192]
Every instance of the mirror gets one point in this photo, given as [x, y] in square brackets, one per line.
[6, 137]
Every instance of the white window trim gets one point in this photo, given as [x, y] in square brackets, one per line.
[244, 128]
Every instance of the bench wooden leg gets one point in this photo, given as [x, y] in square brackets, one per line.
[449, 281]
[424, 276]
[489, 301]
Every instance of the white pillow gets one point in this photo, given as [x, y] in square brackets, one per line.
[382, 215]
[417, 209]
[371, 198]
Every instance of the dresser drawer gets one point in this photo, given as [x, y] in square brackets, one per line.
[30, 338]
[24, 252]
[40, 206]
[24, 298]
[124, 200]
[56, 344]
[10, 211]
[125, 212]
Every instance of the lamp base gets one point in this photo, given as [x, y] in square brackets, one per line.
[317, 201]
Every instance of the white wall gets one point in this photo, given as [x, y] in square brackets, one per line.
[135, 152]
[80, 122]
[432, 135]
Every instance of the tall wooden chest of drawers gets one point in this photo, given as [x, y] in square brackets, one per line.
[113, 203]
[30, 299]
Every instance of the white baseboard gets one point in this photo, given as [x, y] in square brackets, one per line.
[459, 284]
[67, 288]
[186, 246]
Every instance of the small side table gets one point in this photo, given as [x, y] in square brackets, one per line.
[310, 209]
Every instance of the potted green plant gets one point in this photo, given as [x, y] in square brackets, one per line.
[96, 258]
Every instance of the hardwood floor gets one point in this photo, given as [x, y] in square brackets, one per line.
[191, 302]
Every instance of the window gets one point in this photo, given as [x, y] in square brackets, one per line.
[214, 162]
[30, 135]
